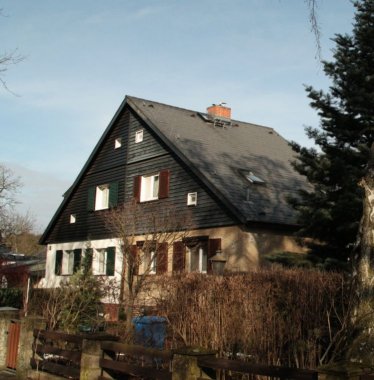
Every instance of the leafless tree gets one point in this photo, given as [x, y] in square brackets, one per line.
[16, 230]
[12, 224]
[145, 231]
[8, 59]
[9, 186]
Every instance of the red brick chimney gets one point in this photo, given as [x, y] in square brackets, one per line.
[219, 110]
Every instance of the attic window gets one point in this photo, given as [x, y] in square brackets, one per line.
[73, 218]
[192, 199]
[252, 178]
[117, 143]
[139, 136]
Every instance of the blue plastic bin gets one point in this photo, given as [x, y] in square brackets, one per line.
[150, 331]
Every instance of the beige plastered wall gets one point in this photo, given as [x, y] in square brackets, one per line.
[244, 249]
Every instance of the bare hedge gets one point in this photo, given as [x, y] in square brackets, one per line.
[279, 316]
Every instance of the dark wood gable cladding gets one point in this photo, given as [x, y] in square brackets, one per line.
[124, 166]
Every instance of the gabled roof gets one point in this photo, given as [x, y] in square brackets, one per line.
[220, 156]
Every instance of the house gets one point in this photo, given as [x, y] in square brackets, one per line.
[20, 273]
[17, 269]
[233, 177]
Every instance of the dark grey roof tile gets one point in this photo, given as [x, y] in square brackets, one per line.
[220, 153]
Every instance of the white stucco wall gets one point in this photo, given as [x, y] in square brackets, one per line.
[51, 280]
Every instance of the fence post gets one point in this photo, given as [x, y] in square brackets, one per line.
[91, 353]
[26, 340]
[185, 366]
[342, 371]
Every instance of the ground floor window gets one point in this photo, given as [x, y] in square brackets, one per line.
[67, 262]
[104, 261]
[198, 258]
[193, 254]
[154, 257]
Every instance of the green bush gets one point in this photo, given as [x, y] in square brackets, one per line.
[83, 309]
[74, 306]
[306, 260]
[12, 297]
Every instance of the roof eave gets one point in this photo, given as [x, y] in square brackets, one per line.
[280, 227]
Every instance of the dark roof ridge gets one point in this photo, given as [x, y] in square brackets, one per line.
[194, 111]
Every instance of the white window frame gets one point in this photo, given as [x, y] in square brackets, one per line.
[139, 136]
[149, 188]
[192, 199]
[73, 218]
[201, 259]
[117, 143]
[67, 263]
[99, 262]
[102, 197]
[150, 262]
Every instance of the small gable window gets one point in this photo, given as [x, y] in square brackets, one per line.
[139, 136]
[117, 143]
[251, 177]
[103, 196]
[192, 199]
[73, 218]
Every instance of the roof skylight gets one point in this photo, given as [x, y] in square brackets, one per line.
[251, 177]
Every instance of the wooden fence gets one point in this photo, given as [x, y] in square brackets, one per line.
[63, 354]
[123, 359]
[57, 353]
[226, 367]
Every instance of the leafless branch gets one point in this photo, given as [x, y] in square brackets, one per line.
[157, 228]
[315, 27]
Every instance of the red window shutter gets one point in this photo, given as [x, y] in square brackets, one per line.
[133, 260]
[179, 256]
[162, 258]
[213, 246]
[163, 191]
[137, 187]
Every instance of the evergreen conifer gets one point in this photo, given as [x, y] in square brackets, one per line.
[330, 212]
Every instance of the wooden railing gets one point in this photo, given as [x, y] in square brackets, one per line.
[57, 353]
[224, 366]
[61, 354]
[121, 359]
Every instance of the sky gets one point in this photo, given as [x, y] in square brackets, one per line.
[81, 57]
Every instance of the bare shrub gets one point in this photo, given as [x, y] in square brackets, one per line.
[277, 316]
[157, 228]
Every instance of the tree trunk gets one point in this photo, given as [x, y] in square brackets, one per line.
[362, 348]
[365, 262]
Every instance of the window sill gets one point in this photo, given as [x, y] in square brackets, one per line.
[149, 200]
